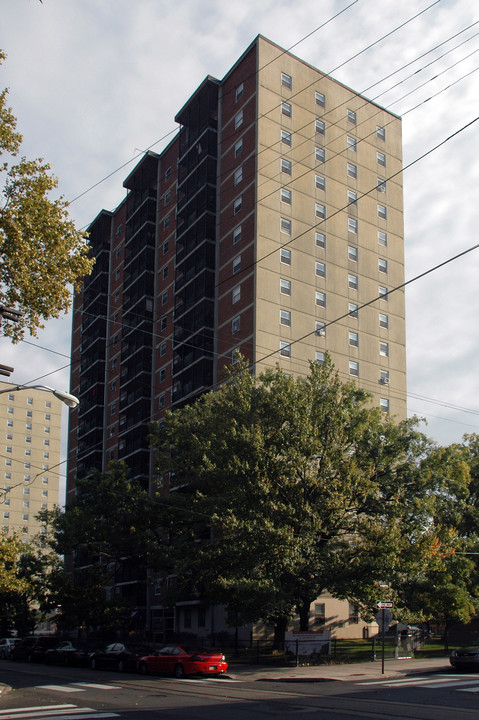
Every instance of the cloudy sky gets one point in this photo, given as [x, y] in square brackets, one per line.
[95, 82]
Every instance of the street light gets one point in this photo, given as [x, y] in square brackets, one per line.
[70, 400]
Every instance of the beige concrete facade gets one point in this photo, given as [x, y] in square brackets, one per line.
[30, 423]
[317, 143]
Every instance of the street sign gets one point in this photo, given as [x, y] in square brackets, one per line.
[385, 604]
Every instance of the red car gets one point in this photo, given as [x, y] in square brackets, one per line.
[181, 661]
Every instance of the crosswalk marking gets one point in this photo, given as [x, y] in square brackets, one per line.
[437, 682]
[97, 685]
[61, 688]
[72, 712]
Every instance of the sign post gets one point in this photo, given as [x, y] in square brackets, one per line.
[383, 618]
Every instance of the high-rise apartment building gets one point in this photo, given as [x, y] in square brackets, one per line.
[31, 427]
[271, 224]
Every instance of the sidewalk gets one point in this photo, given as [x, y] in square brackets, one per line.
[351, 672]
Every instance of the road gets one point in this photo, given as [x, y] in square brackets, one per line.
[45, 693]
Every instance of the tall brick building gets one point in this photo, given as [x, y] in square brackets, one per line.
[265, 225]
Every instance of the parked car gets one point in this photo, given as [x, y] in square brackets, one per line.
[181, 660]
[6, 645]
[466, 657]
[118, 656]
[66, 653]
[33, 648]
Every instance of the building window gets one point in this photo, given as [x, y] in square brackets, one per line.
[239, 92]
[320, 329]
[284, 286]
[383, 292]
[164, 322]
[320, 239]
[320, 99]
[29, 401]
[238, 119]
[352, 253]
[26, 491]
[352, 117]
[234, 355]
[285, 349]
[28, 438]
[381, 133]
[320, 127]
[238, 176]
[354, 368]
[8, 449]
[11, 397]
[237, 205]
[352, 144]
[167, 173]
[319, 613]
[320, 269]
[381, 185]
[383, 321]
[320, 357]
[10, 410]
[235, 324]
[239, 147]
[166, 222]
[236, 264]
[353, 225]
[381, 159]
[321, 298]
[164, 297]
[165, 247]
[285, 317]
[320, 211]
[382, 212]
[384, 349]
[382, 265]
[353, 310]
[162, 375]
[354, 339]
[353, 282]
[285, 226]
[286, 137]
[286, 109]
[237, 235]
[162, 349]
[167, 198]
[285, 256]
[384, 405]
[320, 182]
[286, 81]
[384, 377]
[286, 166]
[320, 154]
[161, 401]
[236, 294]
[352, 197]
[286, 195]
[382, 238]
[46, 429]
[352, 170]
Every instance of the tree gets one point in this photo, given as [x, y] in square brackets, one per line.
[41, 252]
[107, 527]
[299, 486]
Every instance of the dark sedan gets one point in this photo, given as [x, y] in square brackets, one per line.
[33, 648]
[68, 654]
[466, 657]
[118, 656]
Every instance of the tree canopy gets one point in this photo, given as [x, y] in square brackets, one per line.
[41, 252]
[299, 485]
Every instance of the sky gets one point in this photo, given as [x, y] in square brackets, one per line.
[94, 83]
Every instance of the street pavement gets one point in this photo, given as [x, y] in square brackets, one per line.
[345, 672]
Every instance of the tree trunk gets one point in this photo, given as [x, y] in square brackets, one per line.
[280, 626]
[303, 610]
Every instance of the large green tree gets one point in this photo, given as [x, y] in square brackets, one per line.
[299, 486]
[41, 252]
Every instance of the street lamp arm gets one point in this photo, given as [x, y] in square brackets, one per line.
[70, 400]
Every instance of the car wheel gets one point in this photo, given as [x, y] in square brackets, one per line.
[143, 668]
[121, 666]
[93, 664]
[179, 671]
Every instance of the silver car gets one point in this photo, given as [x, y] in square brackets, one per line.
[6, 645]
